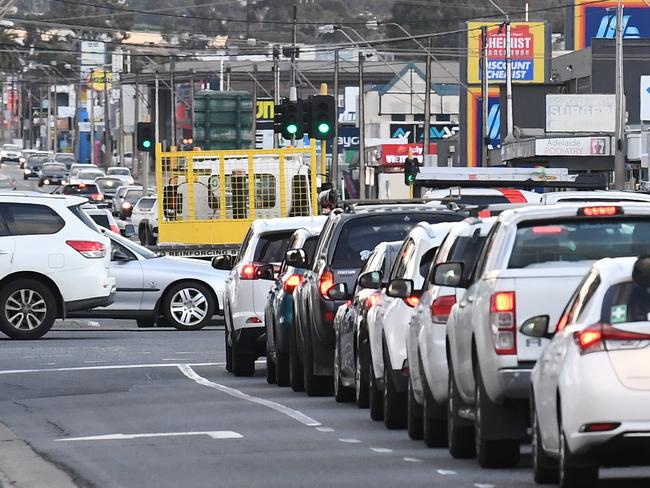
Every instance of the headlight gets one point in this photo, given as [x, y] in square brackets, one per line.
[28, 171]
[22, 160]
[126, 205]
[46, 182]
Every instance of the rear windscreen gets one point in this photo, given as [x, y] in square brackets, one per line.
[79, 189]
[101, 220]
[360, 236]
[271, 247]
[626, 302]
[578, 241]
[482, 199]
[133, 196]
[146, 203]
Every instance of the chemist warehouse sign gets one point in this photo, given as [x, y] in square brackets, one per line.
[528, 46]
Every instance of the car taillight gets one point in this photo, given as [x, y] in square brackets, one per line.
[115, 228]
[373, 300]
[325, 282]
[441, 308]
[503, 322]
[291, 282]
[88, 249]
[599, 337]
[412, 301]
[98, 197]
[600, 427]
[600, 211]
[247, 272]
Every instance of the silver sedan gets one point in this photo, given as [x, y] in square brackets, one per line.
[183, 293]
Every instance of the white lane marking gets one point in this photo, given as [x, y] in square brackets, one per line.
[217, 434]
[187, 370]
[412, 460]
[446, 472]
[93, 362]
[47, 364]
[350, 441]
[483, 485]
[324, 429]
[381, 449]
[99, 368]
[187, 352]
[170, 359]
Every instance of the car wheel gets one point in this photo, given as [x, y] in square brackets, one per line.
[545, 468]
[375, 396]
[502, 453]
[434, 416]
[40, 183]
[295, 368]
[314, 385]
[28, 309]
[342, 393]
[228, 349]
[414, 416]
[394, 402]
[573, 473]
[24, 177]
[460, 438]
[270, 369]
[361, 377]
[145, 323]
[188, 306]
[142, 236]
[242, 364]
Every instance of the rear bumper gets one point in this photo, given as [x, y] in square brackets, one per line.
[88, 303]
[515, 382]
[631, 448]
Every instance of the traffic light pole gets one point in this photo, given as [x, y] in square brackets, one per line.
[362, 132]
[323, 144]
[145, 180]
[334, 169]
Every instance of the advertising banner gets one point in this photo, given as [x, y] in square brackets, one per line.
[528, 48]
[574, 146]
[396, 154]
[475, 123]
[580, 113]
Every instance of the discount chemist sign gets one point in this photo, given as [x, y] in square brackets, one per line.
[528, 45]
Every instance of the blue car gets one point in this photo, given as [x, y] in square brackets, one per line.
[279, 311]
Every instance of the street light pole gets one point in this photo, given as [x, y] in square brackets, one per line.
[334, 170]
[509, 117]
[427, 106]
[362, 131]
[619, 157]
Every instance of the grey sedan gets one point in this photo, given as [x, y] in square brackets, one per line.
[183, 293]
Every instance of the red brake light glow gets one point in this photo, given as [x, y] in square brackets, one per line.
[412, 301]
[291, 282]
[503, 301]
[373, 300]
[599, 337]
[484, 214]
[601, 211]
[88, 249]
[325, 283]
[441, 308]
[503, 322]
[548, 229]
[247, 272]
[600, 427]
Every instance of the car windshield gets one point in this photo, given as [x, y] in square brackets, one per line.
[360, 236]
[54, 167]
[80, 189]
[119, 171]
[108, 183]
[548, 244]
[38, 161]
[146, 203]
[64, 158]
[133, 196]
[89, 174]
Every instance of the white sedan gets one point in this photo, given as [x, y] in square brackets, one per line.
[591, 386]
[122, 173]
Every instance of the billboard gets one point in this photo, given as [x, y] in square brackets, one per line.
[588, 19]
[475, 123]
[574, 146]
[396, 154]
[528, 48]
[580, 113]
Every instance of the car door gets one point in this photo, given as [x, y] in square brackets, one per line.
[128, 272]
[7, 246]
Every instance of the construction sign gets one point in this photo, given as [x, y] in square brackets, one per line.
[98, 78]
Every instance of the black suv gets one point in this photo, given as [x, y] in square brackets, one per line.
[346, 242]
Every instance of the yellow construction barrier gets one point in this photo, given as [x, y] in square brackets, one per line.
[211, 197]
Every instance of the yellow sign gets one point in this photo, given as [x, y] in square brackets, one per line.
[98, 78]
[528, 50]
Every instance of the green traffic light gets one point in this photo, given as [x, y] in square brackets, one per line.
[292, 128]
[410, 178]
[146, 144]
[324, 128]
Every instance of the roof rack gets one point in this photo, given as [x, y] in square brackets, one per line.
[350, 205]
[431, 184]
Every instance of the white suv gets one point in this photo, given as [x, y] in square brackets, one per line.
[251, 278]
[144, 218]
[53, 260]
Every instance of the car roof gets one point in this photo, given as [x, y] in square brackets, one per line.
[289, 223]
[606, 195]
[615, 270]
[565, 210]
[69, 199]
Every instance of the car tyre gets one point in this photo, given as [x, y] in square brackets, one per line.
[434, 417]
[572, 474]
[296, 374]
[282, 373]
[545, 468]
[270, 369]
[395, 403]
[27, 309]
[491, 453]
[40, 183]
[414, 416]
[314, 385]
[342, 393]
[145, 323]
[361, 376]
[375, 397]
[228, 348]
[188, 306]
[460, 438]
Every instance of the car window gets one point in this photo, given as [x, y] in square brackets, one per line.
[404, 257]
[325, 237]
[271, 247]
[146, 203]
[574, 241]
[83, 216]
[310, 248]
[626, 302]
[119, 171]
[578, 302]
[375, 263]
[101, 220]
[108, 183]
[54, 167]
[244, 245]
[132, 196]
[116, 246]
[10, 147]
[31, 219]
[485, 252]
[81, 189]
[425, 266]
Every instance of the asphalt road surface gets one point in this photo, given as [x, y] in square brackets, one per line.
[122, 407]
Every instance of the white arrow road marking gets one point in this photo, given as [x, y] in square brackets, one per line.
[446, 472]
[350, 441]
[483, 485]
[217, 434]
[289, 412]
[380, 449]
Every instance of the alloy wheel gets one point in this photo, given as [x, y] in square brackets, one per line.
[189, 306]
[25, 309]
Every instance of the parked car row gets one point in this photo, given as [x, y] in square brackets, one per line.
[470, 327]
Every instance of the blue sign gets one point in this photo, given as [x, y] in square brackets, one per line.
[600, 23]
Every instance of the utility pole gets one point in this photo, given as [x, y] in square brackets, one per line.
[75, 120]
[55, 103]
[172, 103]
[228, 71]
[619, 157]
[92, 124]
[334, 170]
[427, 105]
[509, 115]
[254, 127]
[136, 118]
[293, 46]
[108, 153]
[21, 127]
[361, 117]
[192, 98]
[485, 95]
[120, 141]
[49, 115]
[276, 90]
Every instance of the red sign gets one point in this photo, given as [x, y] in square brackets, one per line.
[522, 42]
[396, 154]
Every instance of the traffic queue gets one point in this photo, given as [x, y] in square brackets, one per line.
[474, 324]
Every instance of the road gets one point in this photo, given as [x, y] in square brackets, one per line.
[155, 408]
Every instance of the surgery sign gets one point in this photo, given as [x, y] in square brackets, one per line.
[527, 43]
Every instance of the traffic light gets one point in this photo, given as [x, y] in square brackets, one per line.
[289, 119]
[322, 117]
[145, 136]
[411, 169]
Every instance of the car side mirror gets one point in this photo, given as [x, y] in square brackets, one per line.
[449, 274]
[265, 272]
[400, 288]
[121, 256]
[536, 327]
[223, 262]
[296, 258]
[128, 231]
[339, 292]
[371, 280]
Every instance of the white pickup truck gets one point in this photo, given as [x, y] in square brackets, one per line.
[531, 263]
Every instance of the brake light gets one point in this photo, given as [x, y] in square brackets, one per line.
[82, 185]
[291, 282]
[484, 214]
[548, 229]
[247, 272]
[115, 228]
[412, 301]
[441, 308]
[600, 427]
[599, 337]
[98, 197]
[373, 300]
[325, 282]
[600, 211]
[503, 322]
[88, 249]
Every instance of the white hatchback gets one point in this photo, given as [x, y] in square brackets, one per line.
[53, 260]
[591, 385]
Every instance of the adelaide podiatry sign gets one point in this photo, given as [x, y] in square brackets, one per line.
[528, 49]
